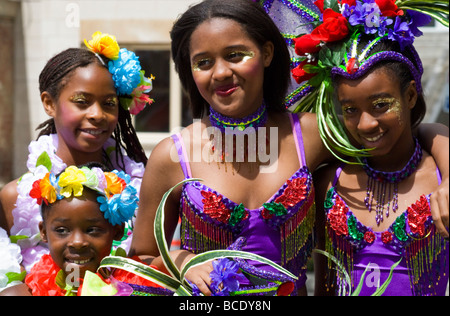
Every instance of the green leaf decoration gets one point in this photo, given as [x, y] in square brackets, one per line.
[160, 233]
[44, 160]
[13, 276]
[176, 280]
[16, 238]
[357, 291]
[383, 287]
[276, 209]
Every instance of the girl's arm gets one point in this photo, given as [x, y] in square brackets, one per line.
[434, 139]
[8, 198]
[161, 174]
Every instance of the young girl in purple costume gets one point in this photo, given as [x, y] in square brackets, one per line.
[375, 214]
[234, 64]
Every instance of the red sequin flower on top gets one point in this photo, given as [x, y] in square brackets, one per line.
[337, 217]
[418, 214]
[369, 236]
[294, 193]
[386, 237]
[214, 207]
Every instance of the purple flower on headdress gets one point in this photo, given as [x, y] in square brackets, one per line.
[417, 20]
[401, 33]
[368, 14]
[224, 277]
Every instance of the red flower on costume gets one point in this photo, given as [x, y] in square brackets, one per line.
[386, 237]
[337, 217]
[214, 207]
[300, 75]
[333, 28]
[369, 237]
[418, 214]
[294, 193]
[388, 8]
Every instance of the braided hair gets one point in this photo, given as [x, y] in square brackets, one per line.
[56, 74]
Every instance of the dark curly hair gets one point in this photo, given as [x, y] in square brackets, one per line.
[53, 78]
[258, 26]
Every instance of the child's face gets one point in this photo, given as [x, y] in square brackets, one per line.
[228, 66]
[376, 112]
[86, 112]
[77, 234]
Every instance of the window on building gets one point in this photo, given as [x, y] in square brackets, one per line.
[170, 110]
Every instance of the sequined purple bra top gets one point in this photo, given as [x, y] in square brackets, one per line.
[412, 237]
[280, 230]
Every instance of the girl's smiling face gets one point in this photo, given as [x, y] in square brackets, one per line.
[228, 67]
[78, 235]
[376, 111]
[86, 112]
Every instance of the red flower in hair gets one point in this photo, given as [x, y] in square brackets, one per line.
[350, 3]
[388, 8]
[319, 4]
[300, 75]
[333, 28]
[305, 44]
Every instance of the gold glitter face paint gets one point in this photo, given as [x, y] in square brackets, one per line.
[234, 57]
[245, 55]
[200, 64]
[77, 98]
[394, 106]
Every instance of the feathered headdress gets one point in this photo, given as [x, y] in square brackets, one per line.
[323, 37]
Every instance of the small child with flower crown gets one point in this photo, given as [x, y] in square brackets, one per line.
[83, 210]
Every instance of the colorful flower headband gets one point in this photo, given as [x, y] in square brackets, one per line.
[129, 80]
[118, 200]
[328, 46]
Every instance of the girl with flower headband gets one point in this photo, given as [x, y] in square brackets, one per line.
[363, 50]
[89, 94]
[83, 210]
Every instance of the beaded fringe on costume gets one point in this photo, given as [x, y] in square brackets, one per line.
[425, 263]
[199, 235]
[297, 238]
[424, 257]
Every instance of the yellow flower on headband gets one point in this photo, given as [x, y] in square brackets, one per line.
[48, 191]
[114, 184]
[71, 181]
[104, 44]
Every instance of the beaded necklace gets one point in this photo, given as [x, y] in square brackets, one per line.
[383, 186]
[230, 129]
[255, 120]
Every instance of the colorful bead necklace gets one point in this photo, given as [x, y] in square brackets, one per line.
[255, 120]
[384, 185]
